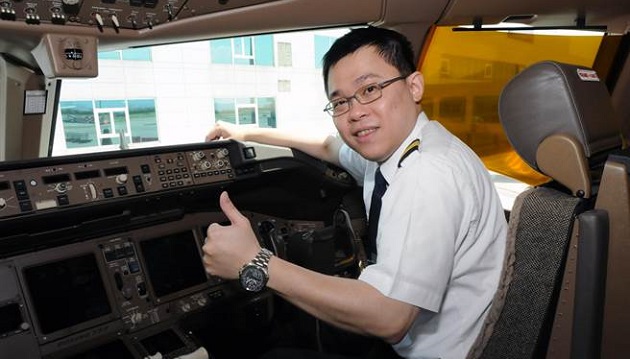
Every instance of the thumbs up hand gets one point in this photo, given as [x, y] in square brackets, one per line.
[228, 248]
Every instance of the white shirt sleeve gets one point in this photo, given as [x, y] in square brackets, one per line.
[421, 219]
[352, 162]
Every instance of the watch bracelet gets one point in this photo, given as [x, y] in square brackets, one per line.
[262, 258]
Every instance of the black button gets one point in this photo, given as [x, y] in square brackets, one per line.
[26, 206]
[142, 289]
[20, 190]
[137, 180]
[110, 255]
[63, 200]
[134, 267]
[21, 194]
[129, 250]
[19, 185]
[108, 193]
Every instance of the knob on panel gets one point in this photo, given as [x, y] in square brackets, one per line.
[122, 178]
[222, 153]
[61, 187]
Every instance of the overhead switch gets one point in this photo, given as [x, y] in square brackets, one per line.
[115, 22]
[7, 12]
[99, 21]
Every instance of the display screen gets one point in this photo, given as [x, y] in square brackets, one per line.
[87, 174]
[67, 292]
[73, 54]
[62, 177]
[11, 318]
[173, 263]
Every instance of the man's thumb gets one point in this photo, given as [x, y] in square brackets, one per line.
[230, 211]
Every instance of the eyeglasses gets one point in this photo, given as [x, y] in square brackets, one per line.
[366, 94]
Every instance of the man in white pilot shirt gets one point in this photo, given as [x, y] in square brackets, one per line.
[441, 234]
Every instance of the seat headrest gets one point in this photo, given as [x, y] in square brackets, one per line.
[551, 98]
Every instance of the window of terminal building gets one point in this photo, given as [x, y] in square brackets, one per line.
[247, 50]
[285, 57]
[98, 123]
[246, 111]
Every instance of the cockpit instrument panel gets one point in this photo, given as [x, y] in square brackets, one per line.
[71, 181]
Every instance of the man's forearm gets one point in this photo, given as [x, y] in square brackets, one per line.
[323, 147]
[349, 304]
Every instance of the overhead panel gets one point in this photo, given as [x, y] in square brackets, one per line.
[116, 14]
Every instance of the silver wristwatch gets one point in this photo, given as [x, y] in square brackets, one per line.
[253, 276]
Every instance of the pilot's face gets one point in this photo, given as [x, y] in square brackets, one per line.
[375, 130]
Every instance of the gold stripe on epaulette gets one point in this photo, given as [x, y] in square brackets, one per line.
[414, 145]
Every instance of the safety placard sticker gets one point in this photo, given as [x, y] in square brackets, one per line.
[587, 75]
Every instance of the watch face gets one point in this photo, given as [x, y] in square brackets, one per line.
[253, 278]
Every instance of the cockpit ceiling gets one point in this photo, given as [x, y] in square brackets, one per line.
[131, 23]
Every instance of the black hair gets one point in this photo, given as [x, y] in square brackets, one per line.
[393, 46]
